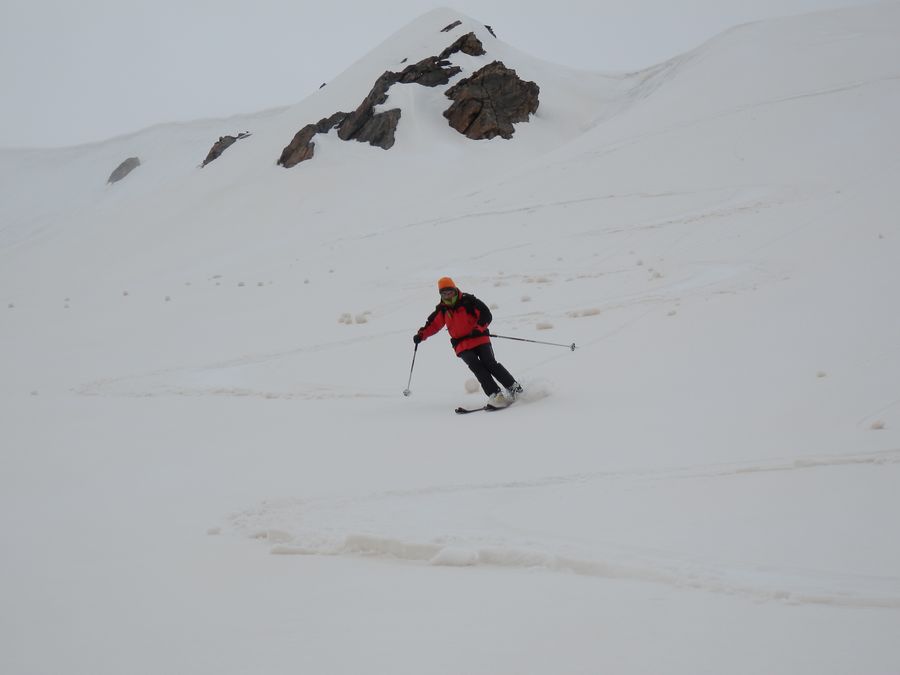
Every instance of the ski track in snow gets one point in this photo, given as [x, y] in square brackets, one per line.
[693, 216]
[737, 110]
[323, 527]
[156, 383]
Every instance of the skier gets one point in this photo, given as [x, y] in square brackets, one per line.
[467, 319]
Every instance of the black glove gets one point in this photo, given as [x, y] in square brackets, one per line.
[417, 338]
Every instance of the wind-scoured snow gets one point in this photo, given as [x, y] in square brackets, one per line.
[208, 465]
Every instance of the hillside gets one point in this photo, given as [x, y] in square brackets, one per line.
[207, 460]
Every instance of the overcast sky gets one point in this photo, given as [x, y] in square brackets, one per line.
[76, 71]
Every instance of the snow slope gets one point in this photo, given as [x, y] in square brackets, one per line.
[207, 464]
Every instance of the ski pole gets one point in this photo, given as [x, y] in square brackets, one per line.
[537, 342]
[407, 392]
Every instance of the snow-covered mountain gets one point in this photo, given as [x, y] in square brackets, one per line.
[204, 366]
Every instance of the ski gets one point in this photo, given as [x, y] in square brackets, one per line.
[485, 408]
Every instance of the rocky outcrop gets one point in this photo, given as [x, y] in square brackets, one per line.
[364, 124]
[467, 44]
[221, 146]
[485, 105]
[124, 169]
[379, 129]
[488, 103]
[302, 147]
[355, 124]
[490, 30]
[430, 72]
[447, 29]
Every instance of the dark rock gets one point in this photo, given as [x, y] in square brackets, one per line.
[355, 121]
[488, 103]
[467, 44]
[301, 147]
[447, 29]
[124, 169]
[471, 113]
[430, 72]
[221, 146]
[490, 30]
[360, 124]
[379, 129]
[322, 85]
[326, 124]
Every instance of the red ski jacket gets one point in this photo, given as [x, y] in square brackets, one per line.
[467, 321]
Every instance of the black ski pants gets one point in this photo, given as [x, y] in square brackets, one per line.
[482, 363]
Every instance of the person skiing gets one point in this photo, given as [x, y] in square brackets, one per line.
[467, 319]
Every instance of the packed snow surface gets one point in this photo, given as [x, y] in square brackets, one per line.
[208, 465]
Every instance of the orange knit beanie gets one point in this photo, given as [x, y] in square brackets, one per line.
[445, 282]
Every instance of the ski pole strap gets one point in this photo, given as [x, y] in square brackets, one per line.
[537, 342]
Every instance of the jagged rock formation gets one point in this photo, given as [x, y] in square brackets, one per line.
[378, 129]
[487, 104]
[447, 29]
[221, 146]
[490, 30]
[467, 44]
[124, 169]
[301, 147]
